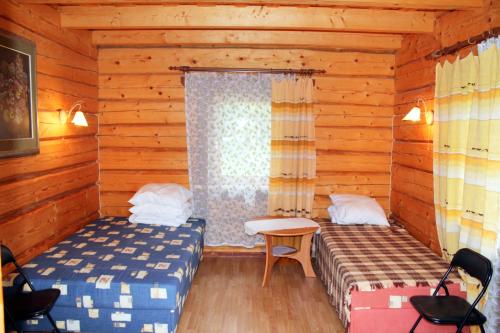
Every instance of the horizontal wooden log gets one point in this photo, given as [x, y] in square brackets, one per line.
[416, 47]
[354, 145]
[319, 108]
[411, 96]
[403, 109]
[368, 190]
[54, 67]
[50, 126]
[54, 154]
[78, 205]
[116, 199]
[249, 17]
[32, 233]
[79, 90]
[178, 117]
[410, 131]
[140, 159]
[417, 217]
[418, 213]
[25, 231]
[117, 81]
[353, 97]
[143, 131]
[414, 75]
[30, 16]
[248, 38]
[140, 105]
[322, 82]
[51, 54]
[142, 117]
[376, 91]
[353, 133]
[351, 121]
[115, 211]
[355, 110]
[131, 181]
[353, 178]
[158, 60]
[354, 162]
[348, 83]
[152, 93]
[29, 234]
[413, 154]
[413, 182]
[458, 26]
[21, 193]
[51, 100]
[119, 141]
[415, 4]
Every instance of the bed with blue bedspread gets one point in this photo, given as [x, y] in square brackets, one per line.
[116, 276]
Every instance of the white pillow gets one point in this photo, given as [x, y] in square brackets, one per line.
[163, 194]
[358, 211]
[338, 198]
[168, 221]
[149, 209]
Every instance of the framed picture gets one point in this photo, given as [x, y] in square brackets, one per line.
[18, 106]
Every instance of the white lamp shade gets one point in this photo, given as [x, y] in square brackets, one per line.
[413, 115]
[79, 119]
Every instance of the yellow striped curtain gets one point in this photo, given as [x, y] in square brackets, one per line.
[467, 155]
[293, 152]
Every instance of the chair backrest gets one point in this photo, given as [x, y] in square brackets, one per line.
[7, 256]
[474, 264]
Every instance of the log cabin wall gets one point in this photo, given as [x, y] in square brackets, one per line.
[142, 133]
[47, 196]
[412, 198]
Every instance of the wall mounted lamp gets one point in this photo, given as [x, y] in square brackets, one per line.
[78, 118]
[415, 113]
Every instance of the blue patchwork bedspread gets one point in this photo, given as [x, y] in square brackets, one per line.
[116, 276]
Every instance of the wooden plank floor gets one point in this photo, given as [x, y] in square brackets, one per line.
[227, 297]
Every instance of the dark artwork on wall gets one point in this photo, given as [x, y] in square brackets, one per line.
[18, 107]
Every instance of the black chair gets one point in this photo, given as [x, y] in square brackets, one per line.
[20, 305]
[454, 310]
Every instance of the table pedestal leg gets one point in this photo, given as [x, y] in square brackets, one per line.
[304, 256]
[270, 260]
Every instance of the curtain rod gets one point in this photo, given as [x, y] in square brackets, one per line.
[247, 70]
[460, 45]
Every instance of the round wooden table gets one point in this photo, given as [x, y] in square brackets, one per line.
[302, 255]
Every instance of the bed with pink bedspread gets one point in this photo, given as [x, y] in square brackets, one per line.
[370, 272]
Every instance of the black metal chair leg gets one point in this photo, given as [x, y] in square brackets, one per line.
[13, 322]
[416, 324]
[53, 323]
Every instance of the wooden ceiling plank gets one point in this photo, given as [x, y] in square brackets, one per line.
[248, 17]
[248, 38]
[412, 4]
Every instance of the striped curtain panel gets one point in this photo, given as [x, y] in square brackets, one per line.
[467, 154]
[293, 152]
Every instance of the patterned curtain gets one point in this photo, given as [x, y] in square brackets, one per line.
[293, 152]
[229, 134]
[467, 155]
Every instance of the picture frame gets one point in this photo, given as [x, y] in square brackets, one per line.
[18, 96]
